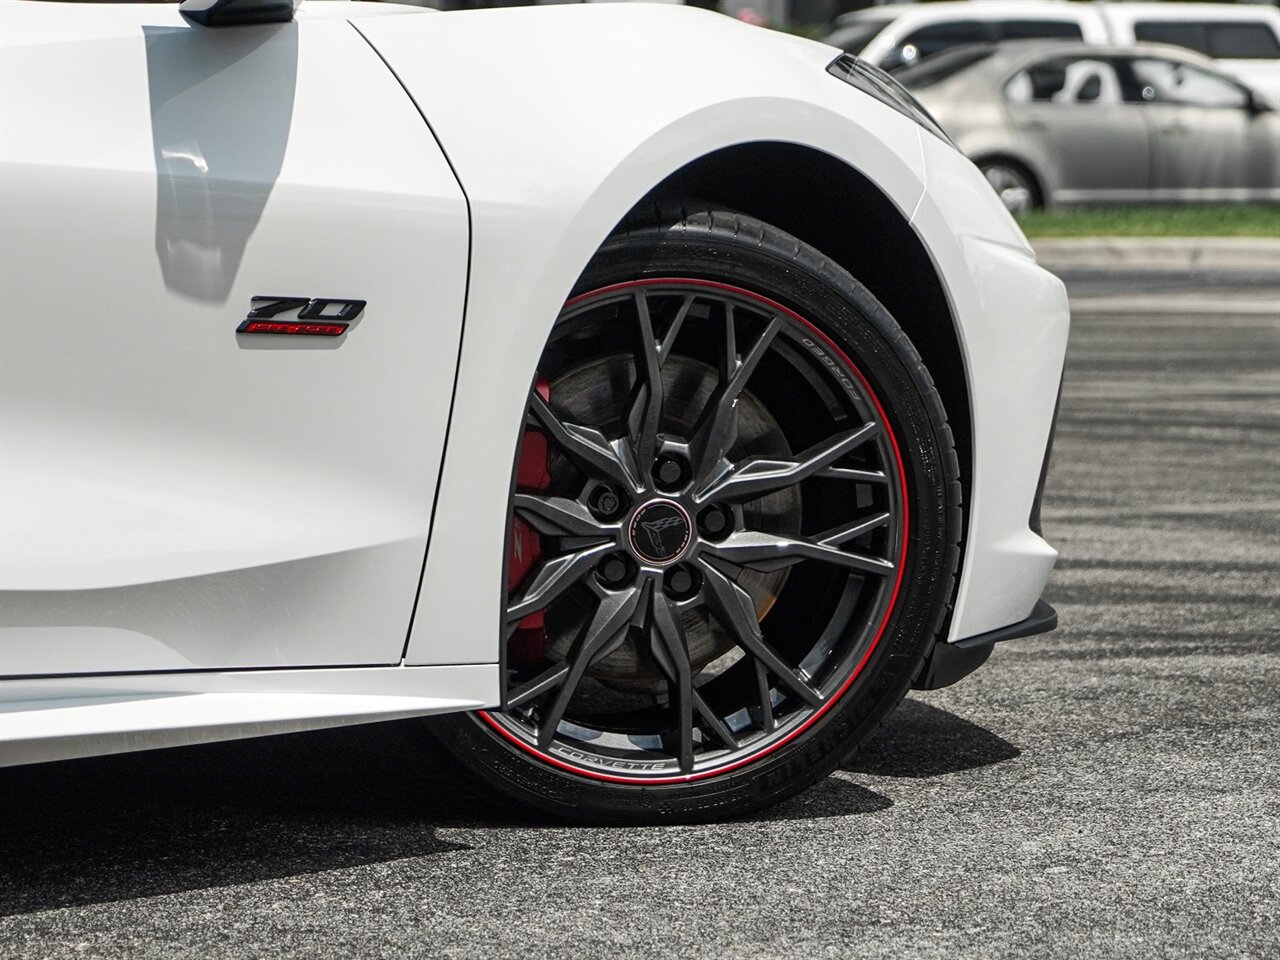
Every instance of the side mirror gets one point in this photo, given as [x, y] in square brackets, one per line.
[230, 13]
[1258, 104]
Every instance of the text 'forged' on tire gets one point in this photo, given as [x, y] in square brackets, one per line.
[733, 531]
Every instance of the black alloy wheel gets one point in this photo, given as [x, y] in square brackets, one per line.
[730, 542]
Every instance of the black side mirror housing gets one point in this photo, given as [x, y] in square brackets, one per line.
[229, 13]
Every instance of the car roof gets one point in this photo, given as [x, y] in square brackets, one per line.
[1194, 11]
[1003, 9]
[973, 9]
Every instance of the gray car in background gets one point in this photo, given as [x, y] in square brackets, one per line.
[1056, 124]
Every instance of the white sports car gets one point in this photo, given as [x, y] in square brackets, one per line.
[654, 397]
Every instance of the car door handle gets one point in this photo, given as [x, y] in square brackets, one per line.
[1175, 128]
[1034, 123]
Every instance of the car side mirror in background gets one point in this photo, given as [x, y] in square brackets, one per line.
[1257, 104]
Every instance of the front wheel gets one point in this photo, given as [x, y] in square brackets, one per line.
[733, 531]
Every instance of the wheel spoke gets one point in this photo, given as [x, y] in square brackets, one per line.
[853, 476]
[717, 429]
[766, 698]
[767, 552]
[547, 680]
[708, 716]
[736, 611]
[837, 536]
[669, 632]
[645, 418]
[604, 634]
[760, 475]
[560, 517]
[713, 722]
[552, 578]
[729, 356]
[646, 408]
[669, 339]
[589, 447]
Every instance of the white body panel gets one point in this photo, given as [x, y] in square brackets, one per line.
[184, 528]
[1014, 336]
[76, 717]
[176, 496]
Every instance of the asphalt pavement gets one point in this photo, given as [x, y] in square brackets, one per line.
[1109, 790]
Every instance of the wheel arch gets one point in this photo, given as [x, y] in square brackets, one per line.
[816, 197]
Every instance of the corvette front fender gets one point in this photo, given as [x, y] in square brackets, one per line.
[550, 162]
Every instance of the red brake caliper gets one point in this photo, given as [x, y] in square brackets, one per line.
[532, 474]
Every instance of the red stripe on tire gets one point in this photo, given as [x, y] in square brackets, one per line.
[893, 598]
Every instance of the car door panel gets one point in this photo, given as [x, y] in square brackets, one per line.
[1212, 139]
[1197, 150]
[1069, 112]
[1200, 125]
[174, 495]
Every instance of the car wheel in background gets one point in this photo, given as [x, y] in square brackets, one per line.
[1013, 184]
[733, 534]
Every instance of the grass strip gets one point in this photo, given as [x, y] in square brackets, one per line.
[1244, 220]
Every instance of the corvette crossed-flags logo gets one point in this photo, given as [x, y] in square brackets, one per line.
[654, 529]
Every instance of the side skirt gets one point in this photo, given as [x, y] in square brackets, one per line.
[85, 716]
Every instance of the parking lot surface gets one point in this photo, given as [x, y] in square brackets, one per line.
[1111, 789]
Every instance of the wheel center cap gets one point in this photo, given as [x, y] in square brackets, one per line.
[659, 531]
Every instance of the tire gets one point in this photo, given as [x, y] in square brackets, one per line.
[1013, 184]
[837, 636]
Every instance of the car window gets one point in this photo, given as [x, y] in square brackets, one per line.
[1193, 36]
[1037, 29]
[1243, 41]
[1170, 81]
[1238, 40]
[1080, 80]
[926, 41]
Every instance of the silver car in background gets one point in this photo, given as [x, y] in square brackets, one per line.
[1057, 124]
[1243, 39]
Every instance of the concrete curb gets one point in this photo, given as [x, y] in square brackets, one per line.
[1159, 253]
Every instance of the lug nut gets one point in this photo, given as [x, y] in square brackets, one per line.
[681, 582]
[606, 502]
[715, 522]
[613, 571]
[669, 472]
